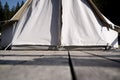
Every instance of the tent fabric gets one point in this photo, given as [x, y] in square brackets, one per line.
[62, 22]
[39, 24]
[81, 26]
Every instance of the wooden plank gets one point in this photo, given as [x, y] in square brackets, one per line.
[34, 65]
[113, 55]
[90, 67]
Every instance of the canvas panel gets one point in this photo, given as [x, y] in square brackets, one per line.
[111, 36]
[81, 27]
[39, 24]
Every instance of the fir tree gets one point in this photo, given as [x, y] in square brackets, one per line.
[1, 11]
[1, 14]
[12, 11]
[17, 6]
[6, 11]
[22, 3]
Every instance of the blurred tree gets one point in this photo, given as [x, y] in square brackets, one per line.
[6, 11]
[12, 11]
[22, 3]
[17, 7]
[1, 11]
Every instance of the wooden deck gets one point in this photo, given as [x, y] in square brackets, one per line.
[60, 65]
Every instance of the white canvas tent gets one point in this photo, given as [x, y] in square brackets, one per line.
[59, 23]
